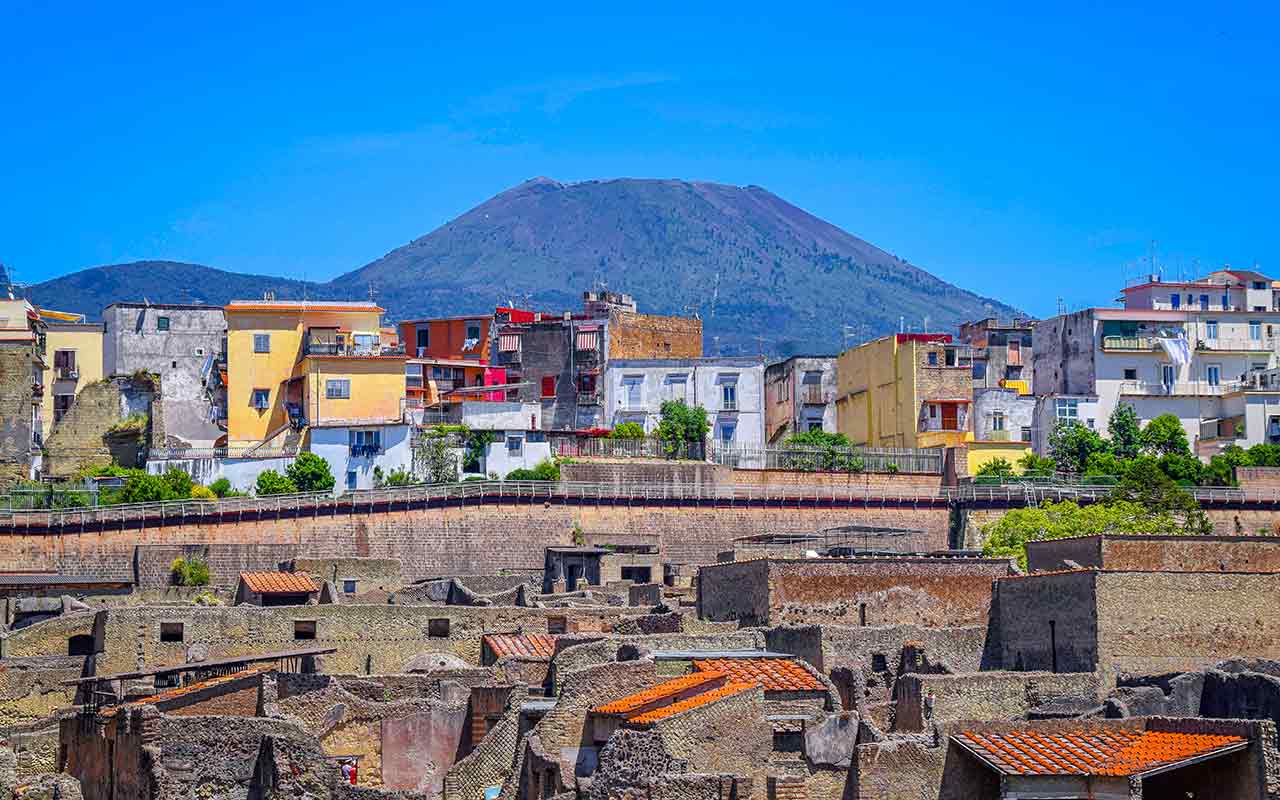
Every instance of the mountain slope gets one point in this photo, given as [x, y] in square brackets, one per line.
[91, 290]
[749, 262]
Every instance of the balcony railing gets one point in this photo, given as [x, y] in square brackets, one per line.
[71, 373]
[814, 396]
[1137, 343]
[589, 398]
[1158, 389]
[314, 347]
[1265, 344]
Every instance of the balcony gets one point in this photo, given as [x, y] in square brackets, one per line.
[589, 398]
[814, 396]
[1129, 343]
[71, 373]
[1265, 344]
[1157, 389]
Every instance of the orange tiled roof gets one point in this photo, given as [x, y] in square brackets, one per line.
[527, 645]
[179, 691]
[770, 674]
[1117, 753]
[279, 582]
[728, 690]
[654, 694]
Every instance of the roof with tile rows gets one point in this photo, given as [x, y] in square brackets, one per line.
[728, 690]
[662, 691]
[279, 582]
[770, 674]
[525, 645]
[1118, 753]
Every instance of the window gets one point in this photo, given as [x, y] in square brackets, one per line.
[413, 376]
[1213, 374]
[261, 399]
[631, 390]
[1259, 284]
[337, 389]
[199, 351]
[162, 323]
[61, 405]
[1226, 302]
[1026, 433]
[173, 364]
[348, 587]
[64, 361]
[365, 443]
[1067, 409]
[1255, 330]
[438, 628]
[675, 387]
[509, 343]
[304, 629]
[515, 445]
[587, 384]
[1130, 374]
[979, 370]
[879, 663]
[557, 625]
[1211, 329]
[548, 386]
[815, 425]
[727, 430]
[80, 645]
[473, 330]
[353, 480]
[997, 420]
[933, 412]
[423, 340]
[171, 631]
[933, 358]
[1167, 375]
[1204, 302]
[729, 396]
[262, 343]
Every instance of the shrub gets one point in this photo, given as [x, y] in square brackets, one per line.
[627, 430]
[545, 471]
[817, 439]
[682, 424]
[220, 487]
[310, 473]
[207, 599]
[996, 468]
[396, 477]
[179, 483]
[199, 492]
[1164, 436]
[272, 482]
[193, 571]
[1034, 466]
[144, 489]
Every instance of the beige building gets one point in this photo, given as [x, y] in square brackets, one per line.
[905, 390]
[73, 361]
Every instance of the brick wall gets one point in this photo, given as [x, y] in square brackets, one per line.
[15, 412]
[634, 335]
[983, 695]
[463, 538]
[237, 699]
[1160, 553]
[1026, 606]
[1265, 478]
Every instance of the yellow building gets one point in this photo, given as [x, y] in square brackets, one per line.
[294, 364]
[73, 361]
[906, 390]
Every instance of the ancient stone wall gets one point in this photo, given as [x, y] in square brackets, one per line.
[1026, 608]
[15, 413]
[459, 538]
[727, 735]
[50, 637]
[633, 335]
[924, 700]
[31, 688]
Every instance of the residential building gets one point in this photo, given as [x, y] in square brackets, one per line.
[75, 361]
[465, 338]
[731, 389]
[22, 389]
[560, 361]
[1200, 350]
[799, 396]
[182, 344]
[1001, 353]
[909, 390]
[317, 375]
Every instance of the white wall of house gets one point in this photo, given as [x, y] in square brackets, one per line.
[353, 469]
[730, 389]
[516, 449]
[501, 416]
[241, 472]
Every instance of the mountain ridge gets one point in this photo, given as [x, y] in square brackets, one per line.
[756, 268]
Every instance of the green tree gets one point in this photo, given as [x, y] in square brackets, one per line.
[1007, 537]
[681, 424]
[1146, 484]
[1164, 436]
[1071, 444]
[817, 439]
[1125, 431]
[996, 468]
[179, 482]
[1221, 470]
[434, 458]
[544, 471]
[310, 473]
[144, 489]
[1264, 455]
[1104, 466]
[272, 482]
[1183, 469]
[1034, 466]
[220, 487]
[627, 430]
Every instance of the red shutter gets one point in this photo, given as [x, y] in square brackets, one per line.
[549, 386]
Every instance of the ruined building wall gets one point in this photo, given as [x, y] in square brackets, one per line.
[15, 413]
[634, 335]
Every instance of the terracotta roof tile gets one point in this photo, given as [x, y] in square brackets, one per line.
[1118, 753]
[728, 690]
[279, 582]
[179, 691]
[656, 694]
[525, 645]
[770, 674]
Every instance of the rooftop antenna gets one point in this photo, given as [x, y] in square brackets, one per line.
[848, 331]
[925, 328]
[372, 292]
[902, 324]
[716, 340]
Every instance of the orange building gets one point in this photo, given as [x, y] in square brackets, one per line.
[450, 338]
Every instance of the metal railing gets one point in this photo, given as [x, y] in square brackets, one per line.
[1265, 344]
[1191, 389]
[1129, 343]
[158, 453]
[868, 491]
[815, 396]
[647, 447]
[830, 459]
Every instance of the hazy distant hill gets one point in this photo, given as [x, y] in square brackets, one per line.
[749, 262]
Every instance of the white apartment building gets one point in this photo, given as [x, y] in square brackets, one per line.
[731, 389]
[1196, 349]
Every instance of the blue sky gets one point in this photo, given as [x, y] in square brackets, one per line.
[1019, 151]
